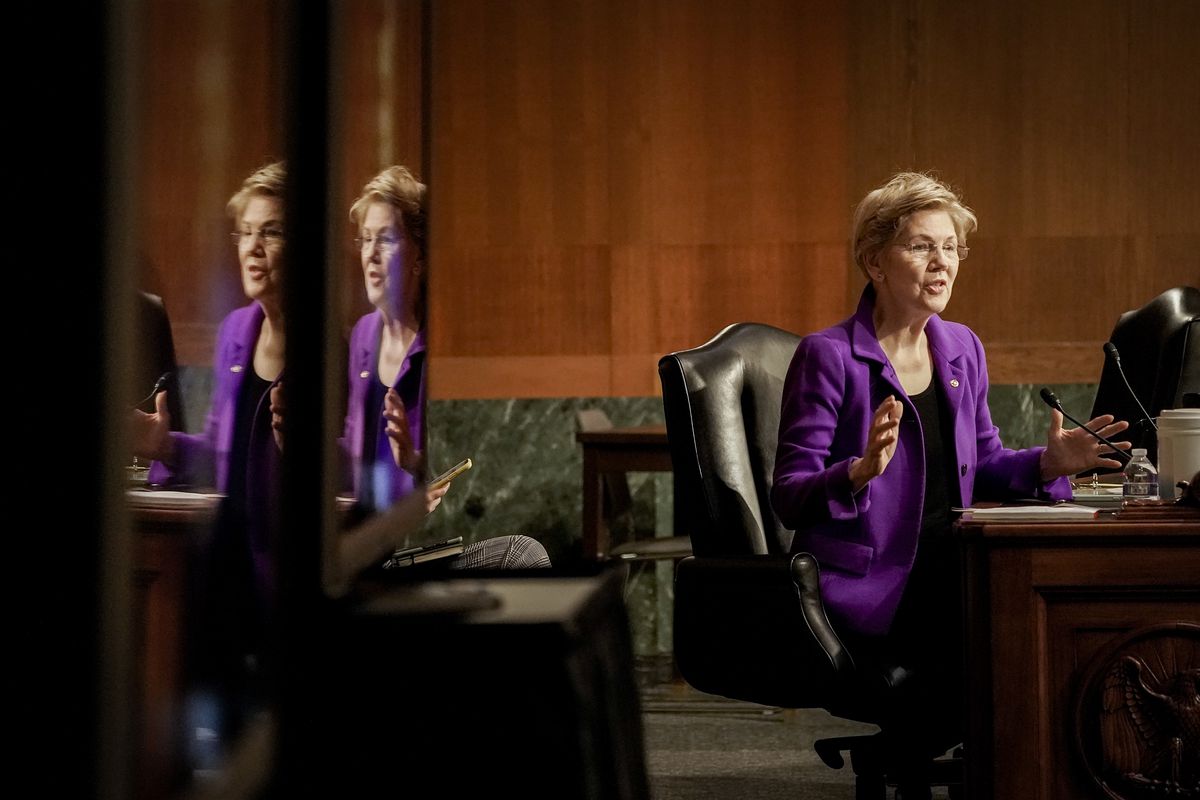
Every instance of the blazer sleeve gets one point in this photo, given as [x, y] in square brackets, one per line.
[812, 470]
[195, 453]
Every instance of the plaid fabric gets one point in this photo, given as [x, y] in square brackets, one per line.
[503, 552]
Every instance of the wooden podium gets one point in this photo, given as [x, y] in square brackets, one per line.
[1073, 631]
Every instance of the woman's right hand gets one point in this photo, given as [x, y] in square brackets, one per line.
[881, 443]
[433, 497]
[151, 433]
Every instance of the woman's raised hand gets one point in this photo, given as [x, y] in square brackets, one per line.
[1072, 451]
[151, 433]
[881, 443]
[404, 451]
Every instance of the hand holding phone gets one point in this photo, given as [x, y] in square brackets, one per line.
[450, 474]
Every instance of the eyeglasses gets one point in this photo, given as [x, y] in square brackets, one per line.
[923, 251]
[387, 243]
[272, 238]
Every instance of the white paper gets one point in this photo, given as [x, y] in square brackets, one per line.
[1059, 512]
[167, 498]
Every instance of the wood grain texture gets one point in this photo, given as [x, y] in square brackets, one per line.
[622, 179]
[213, 105]
[693, 151]
[1043, 601]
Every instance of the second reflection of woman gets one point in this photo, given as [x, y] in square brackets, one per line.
[384, 434]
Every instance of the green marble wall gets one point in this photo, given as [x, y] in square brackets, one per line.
[528, 466]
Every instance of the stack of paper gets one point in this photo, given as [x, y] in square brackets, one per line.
[1059, 512]
[163, 498]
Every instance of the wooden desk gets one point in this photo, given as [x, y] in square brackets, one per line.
[640, 449]
[164, 536]
[1051, 608]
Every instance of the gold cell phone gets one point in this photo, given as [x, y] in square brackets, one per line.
[450, 474]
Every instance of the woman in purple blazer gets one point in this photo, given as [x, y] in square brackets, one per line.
[884, 429]
[237, 454]
[384, 433]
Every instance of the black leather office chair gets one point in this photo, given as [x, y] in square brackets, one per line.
[1159, 348]
[749, 621]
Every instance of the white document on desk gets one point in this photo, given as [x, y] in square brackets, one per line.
[1059, 512]
[166, 498]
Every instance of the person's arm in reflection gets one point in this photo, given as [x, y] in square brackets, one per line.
[884, 428]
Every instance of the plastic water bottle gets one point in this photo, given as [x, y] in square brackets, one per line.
[1141, 479]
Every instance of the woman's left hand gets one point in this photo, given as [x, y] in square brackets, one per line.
[1069, 452]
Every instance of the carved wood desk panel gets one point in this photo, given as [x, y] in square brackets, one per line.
[1071, 629]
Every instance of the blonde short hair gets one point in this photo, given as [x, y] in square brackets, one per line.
[884, 212]
[399, 188]
[268, 181]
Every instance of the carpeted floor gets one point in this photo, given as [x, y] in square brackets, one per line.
[701, 747]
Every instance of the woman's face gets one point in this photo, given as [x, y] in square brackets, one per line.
[391, 270]
[918, 284]
[260, 248]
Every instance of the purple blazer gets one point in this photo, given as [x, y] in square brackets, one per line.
[866, 542]
[362, 368]
[203, 459]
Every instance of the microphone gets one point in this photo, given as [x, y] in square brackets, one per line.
[1110, 350]
[1051, 400]
[158, 385]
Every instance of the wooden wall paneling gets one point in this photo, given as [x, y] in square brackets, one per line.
[1164, 118]
[654, 127]
[967, 105]
[672, 298]
[212, 98]
[882, 94]
[1053, 99]
[1039, 290]
[520, 320]
[521, 197]
[379, 120]
[1075, 72]
[1158, 263]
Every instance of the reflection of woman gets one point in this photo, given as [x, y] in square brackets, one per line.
[884, 429]
[236, 453]
[384, 434]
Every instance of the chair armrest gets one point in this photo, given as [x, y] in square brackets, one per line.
[754, 628]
